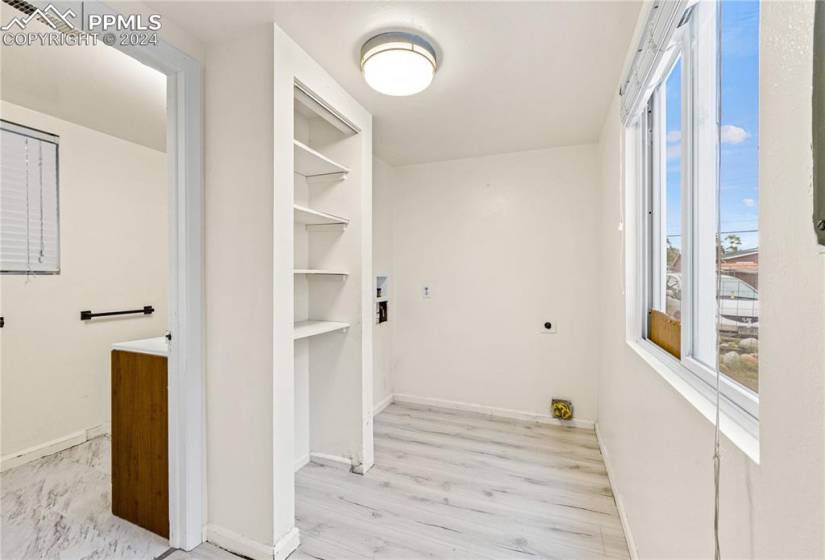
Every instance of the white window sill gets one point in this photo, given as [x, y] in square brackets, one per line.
[736, 426]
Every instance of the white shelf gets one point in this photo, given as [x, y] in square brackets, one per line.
[310, 107]
[319, 272]
[305, 329]
[310, 217]
[310, 163]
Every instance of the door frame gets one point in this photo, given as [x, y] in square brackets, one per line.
[184, 150]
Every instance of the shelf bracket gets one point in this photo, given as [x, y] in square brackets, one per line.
[327, 227]
[326, 178]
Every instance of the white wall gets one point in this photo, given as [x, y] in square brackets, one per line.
[250, 290]
[336, 360]
[114, 246]
[507, 242]
[88, 85]
[660, 447]
[383, 184]
[238, 232]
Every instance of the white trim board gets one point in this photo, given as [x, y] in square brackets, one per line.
[331, 460]
[184, 150]
[491, 411]
[286, 545]
[628, 535]
[35, 452]
[301, 462]
[338, 462]
[379, 407]
[244, 546]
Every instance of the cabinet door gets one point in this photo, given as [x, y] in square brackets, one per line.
[140, 460]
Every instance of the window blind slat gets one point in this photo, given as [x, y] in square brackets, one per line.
[29, 214]
[663, 19]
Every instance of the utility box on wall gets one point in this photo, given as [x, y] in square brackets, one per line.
[381, 299]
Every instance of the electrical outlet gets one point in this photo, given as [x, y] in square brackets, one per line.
[561, 409]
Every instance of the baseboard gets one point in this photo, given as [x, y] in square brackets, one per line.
[382, 404]
[102, 430]
[301, 462]
[337, 460]
[362, 468]
[331, 460]
[617, 497]
[50, 447]
[237, 543]
[286, 545]
[244, 546]
[490, 411]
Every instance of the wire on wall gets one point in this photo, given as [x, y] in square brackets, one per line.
[717, 459]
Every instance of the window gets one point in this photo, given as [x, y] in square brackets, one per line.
[672, 192]
[739, 193]
[29, 229]
[698, 226]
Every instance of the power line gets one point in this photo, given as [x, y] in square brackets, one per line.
[721, 232]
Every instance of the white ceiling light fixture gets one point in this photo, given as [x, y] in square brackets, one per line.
[398, 63]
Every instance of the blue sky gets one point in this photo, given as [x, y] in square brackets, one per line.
[739, 195]
[673, 126]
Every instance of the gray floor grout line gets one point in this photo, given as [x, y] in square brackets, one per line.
[169, 552]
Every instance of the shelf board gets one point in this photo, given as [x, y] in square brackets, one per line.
[319, 272]
[312, 217]
[311, 163]
[312, 107]
[305, 329]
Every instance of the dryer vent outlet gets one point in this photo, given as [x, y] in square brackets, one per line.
[561, 409]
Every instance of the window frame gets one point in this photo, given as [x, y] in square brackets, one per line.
[48, 137]
[738, 404]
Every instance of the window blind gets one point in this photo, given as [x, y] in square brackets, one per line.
[664, 18]
[29, 213]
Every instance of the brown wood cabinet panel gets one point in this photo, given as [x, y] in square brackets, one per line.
[140, 456]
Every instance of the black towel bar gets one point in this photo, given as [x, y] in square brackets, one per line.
[86, 315]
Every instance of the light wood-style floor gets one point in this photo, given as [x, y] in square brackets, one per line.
[445, 485]
[457, 485]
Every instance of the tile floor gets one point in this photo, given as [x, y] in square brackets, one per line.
[60, 507]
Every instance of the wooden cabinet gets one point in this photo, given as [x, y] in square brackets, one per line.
[140, 460]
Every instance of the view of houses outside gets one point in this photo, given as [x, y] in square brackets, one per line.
[673, 187]
[738, 196]
[739, 193]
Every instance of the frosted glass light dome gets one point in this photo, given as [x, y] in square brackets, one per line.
[398, 63]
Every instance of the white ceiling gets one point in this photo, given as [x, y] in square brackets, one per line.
[513, 75]
[96, 86]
